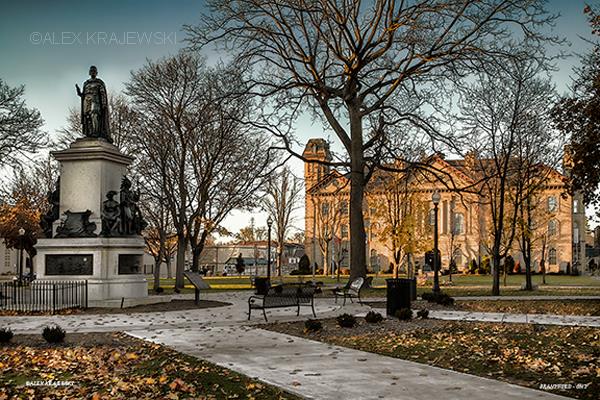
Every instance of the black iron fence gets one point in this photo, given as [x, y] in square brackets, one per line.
[43, 296]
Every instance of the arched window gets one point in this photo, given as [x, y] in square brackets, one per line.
[552, 257]
[459, 224]
[552, 227]
[552, 203]
[458, 257]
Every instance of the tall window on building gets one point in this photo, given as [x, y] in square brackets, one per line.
[552, 203]
[344, 231]
[374, 229]
[325, 209]
[552, 227]
[459, 224]
[458, 257]
[552, 256]
[575, 206]
[344, 208]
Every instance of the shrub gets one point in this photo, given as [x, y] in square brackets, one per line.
[312, 325]
[439, 298]
[346, 320]
[423, 314]
[159, 290]
[295, 272]
[373, 317]
[54, 334]
[304, 265]
[5, 335]
[473, 267]
[404, 314]
[485, 267]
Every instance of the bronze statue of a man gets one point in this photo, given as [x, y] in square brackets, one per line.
[94, 107]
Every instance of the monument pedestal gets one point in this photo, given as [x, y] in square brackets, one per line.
[89, 169]
[112, 266]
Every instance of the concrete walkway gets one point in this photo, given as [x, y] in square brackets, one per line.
[316, 370]
[310, 369]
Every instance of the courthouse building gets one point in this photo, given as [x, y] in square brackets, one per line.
[464, 216]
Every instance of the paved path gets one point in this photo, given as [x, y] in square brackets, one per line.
[321, 371]
[311, 369]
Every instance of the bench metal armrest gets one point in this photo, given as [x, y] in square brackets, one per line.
[252, 299]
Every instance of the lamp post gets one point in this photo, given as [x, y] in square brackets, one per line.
[21, 236]
[435, 199]
[269, 223]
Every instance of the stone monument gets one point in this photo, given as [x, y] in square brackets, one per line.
[89, 234]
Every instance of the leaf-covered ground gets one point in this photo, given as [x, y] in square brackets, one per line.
[561, 307]
[527, 355]
[116, 366]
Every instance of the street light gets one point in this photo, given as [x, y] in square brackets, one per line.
[269, 223]
[21, 236]
[435, 199]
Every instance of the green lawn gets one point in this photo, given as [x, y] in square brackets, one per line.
[462, 285]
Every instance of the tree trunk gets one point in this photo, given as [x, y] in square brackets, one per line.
[528, 284]
[358, 264]
[496, 272]
[157, 264]
[196, 258]
[279, 257]
[179, 268]
[169, 269]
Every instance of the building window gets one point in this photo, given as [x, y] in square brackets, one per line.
[344, 208]
[325, 209]
[575, 206]
[374, 228]
[459, 224]
[552, 256]
[552, 227]
[552, 203]
[458, 257]
[344, 230]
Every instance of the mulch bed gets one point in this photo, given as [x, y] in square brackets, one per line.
[174, 305]
[116, 366]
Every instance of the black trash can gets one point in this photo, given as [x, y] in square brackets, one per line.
[399, 294]
[262, 285]
[413, 288]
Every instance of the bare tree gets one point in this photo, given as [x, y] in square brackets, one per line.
[400, 213]
[371, 71]
[20, 127]
[496, 110]
[205, 162]
[283, 196]
[538, 153]
[329, 213]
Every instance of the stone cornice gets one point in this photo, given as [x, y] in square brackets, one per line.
[92, 149]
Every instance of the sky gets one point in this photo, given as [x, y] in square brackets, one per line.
[48, 46]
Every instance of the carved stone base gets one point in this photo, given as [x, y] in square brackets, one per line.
[112, 266]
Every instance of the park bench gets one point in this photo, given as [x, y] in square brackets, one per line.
[284, 296]
[350, 291]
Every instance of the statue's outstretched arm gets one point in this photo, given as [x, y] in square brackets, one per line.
[78, 90]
